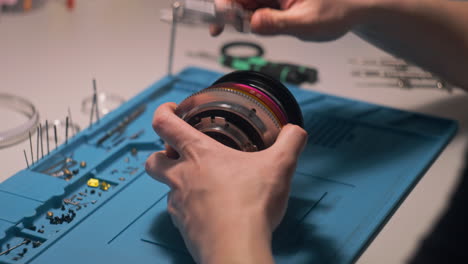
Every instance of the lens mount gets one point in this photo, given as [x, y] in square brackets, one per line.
[243, 110]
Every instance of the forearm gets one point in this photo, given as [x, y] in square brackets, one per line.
[430, 33]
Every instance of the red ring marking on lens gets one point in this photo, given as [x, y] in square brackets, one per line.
[271, 105]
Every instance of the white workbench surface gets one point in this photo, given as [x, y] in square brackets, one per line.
[50, 55]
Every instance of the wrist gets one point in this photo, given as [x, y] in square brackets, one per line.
[242, 241]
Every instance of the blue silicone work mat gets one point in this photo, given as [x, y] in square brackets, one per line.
[360, 162]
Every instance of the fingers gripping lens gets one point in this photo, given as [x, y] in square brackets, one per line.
[244, 110]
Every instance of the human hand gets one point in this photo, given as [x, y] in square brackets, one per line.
[318, 20]
[225, 202]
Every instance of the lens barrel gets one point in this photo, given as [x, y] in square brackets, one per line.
[244, 110]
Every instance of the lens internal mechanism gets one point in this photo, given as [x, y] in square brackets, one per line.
[244, 110]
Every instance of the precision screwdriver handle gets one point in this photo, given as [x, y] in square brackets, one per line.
[284, 72]
[290, 73]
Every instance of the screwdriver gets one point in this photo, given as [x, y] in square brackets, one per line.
[285, 72]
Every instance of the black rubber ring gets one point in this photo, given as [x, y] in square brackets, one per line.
[225, 49]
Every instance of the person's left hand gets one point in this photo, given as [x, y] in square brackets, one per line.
[225, 202]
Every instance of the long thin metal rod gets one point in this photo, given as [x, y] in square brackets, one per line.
[37, 144]
[42, 145]
[30, 145]
[71, 121]
[96, 100]
[47, 135]
[66, 130]
[13, 248]
[55, 135]
[26, 158]
[92, 110]
[172, 38]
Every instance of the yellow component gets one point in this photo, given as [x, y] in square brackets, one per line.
[67, 172]
[105, 186]
[93, 183]
[50, 214]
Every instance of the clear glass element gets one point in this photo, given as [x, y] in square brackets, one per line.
[19, 117]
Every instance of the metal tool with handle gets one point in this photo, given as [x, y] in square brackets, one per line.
[205, 12]
[285, 72]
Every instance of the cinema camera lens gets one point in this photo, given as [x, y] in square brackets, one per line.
[244, 110]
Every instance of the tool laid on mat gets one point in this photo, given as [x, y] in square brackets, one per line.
[285, 72]
[394, 72]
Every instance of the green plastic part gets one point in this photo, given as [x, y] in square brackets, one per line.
[257, 61]
[240, 64]
[284, 74]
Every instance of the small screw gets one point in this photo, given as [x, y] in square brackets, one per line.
[36, 244]
[67, 172]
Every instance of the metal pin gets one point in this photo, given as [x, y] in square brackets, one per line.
[66, 130]
[71, 121]
[13, 248]
[42, 145]
[92, 113]
[30, 145]
[92, 110]
[55, 135]
[26, 158]
[175, 6]
[37, 145]
[96, 99]
[47, 135]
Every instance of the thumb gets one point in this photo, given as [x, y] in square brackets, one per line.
[291, 141]
[268, 21]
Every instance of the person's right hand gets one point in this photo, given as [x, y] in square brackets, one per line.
[317, 20]
[225, 202]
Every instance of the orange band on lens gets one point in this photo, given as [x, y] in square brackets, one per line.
[260, 97]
